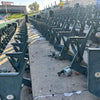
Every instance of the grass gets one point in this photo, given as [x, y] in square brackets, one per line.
[15, 16]
[4, 24]
[33, 13]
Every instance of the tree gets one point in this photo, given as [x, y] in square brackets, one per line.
[34, 7]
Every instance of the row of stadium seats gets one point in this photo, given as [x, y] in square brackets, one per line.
[68, 30]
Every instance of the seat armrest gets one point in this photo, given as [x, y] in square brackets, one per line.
[52, 26]
[15, 54]
[64, 32]
[55, 28]
[9, 74]
[77, 37]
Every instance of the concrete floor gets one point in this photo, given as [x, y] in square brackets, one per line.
[46, 85]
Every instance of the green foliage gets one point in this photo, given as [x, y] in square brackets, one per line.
[14, 16]
[34, 7]
[32, 14]
[4, 24]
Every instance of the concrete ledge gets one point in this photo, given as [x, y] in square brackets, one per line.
[45, 81]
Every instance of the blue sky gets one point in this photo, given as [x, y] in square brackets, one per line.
[42, 3]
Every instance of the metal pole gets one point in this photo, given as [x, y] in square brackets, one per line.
[55, 3]
[51, 5]
[6, 10]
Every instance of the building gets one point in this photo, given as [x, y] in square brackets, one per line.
[9, 7]
[6, 3]
[81, 2]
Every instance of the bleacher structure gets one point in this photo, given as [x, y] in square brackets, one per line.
[69, 31]
[11, 83]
